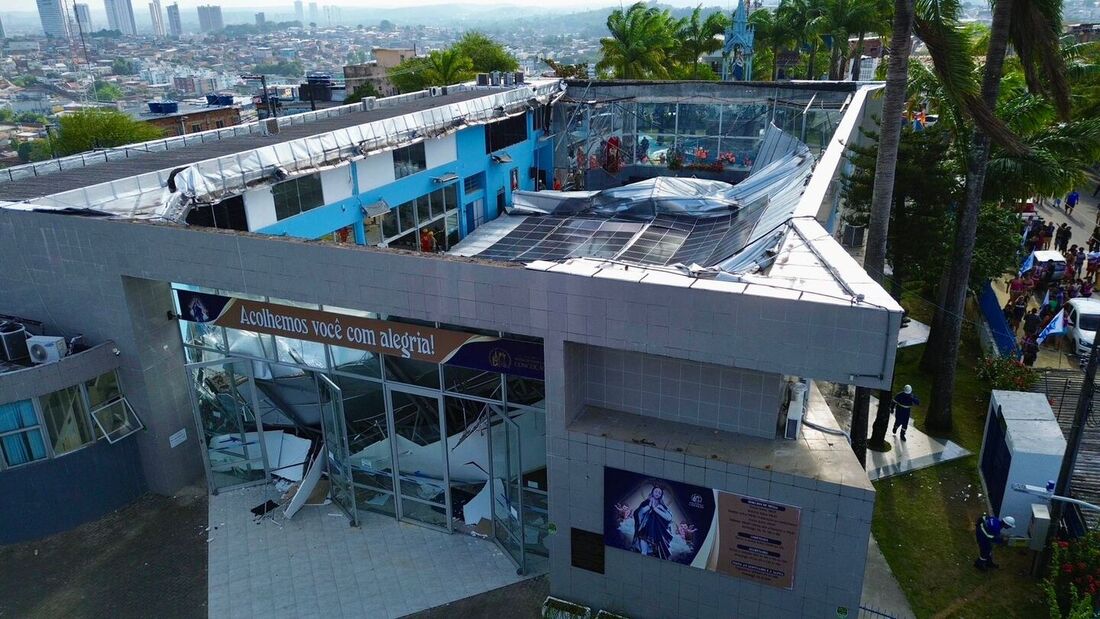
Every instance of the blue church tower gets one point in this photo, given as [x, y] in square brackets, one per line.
[737, 51]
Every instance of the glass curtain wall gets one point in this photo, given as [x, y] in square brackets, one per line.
[693, 134]
[421, 437]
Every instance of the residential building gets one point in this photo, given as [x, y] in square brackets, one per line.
[175, 26]
[2, 35]
[156, 16]
[83, 14]
[210, 18]
[314, 14]
[299, 12]
[260, 19]
[192, 119]
[474, 355]
[377, 71]
[120, 16]
[52, 15]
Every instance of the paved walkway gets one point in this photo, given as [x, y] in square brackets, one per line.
[316, 565]
[918, 451]
[881, 591]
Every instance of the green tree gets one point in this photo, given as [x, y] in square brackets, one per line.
[408, 76]
[445, 67]
[805, 18]
[485, 54]
[31, 150]
[772, 35]
[364, 90]
[100, 128]
[1030, 25]
[106, 91]
[122, 66]
[641, 44]
[697, 36]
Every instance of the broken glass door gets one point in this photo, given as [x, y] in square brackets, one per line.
[336, 444]
[419, 457]
[223, 401]
[506, 474]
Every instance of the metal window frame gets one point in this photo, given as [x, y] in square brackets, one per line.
[130, 409]
[40, 426]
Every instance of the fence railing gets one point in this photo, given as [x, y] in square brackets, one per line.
[1003, 337]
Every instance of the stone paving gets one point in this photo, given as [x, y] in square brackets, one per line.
[316, 565]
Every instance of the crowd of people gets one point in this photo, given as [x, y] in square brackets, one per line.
[1042, 290]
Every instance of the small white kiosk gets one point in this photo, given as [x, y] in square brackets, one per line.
[1023, 444]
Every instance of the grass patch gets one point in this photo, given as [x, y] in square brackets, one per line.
[924, 521]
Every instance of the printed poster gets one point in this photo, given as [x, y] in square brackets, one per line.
[733, 534]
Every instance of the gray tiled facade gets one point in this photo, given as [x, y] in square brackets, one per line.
[720, 355]
[702, 394]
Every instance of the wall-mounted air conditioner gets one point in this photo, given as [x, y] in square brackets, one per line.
[46, 348]
[796, 410]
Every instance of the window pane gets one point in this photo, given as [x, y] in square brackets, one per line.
[452, 229]
[412, 371]
[17, 415]
[286, 200]
[355, 361]
[365, 417]
[103, 389]
[310, 194]
[406, 213]
[526, 391]
[389, 224]
[66, 420]
[117, 420]
[424, 208]
[23, 447]
[472, 382]
[450, 196]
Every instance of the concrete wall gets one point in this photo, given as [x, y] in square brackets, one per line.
[702, 394]
[107, 279]
[832, 543]
[55, 495]
[44, 379]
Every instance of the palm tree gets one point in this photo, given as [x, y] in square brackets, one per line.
[697, 36]
[1042, 21]
[878, 22]
[445, 67]
[804, 17]
[882, 198]
[640, 43]
[772, 34]
[839, 18]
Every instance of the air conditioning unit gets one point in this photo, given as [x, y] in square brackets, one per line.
[369, 103]
[13, 341]
[435, 91]
[46, 348]
[795, 410]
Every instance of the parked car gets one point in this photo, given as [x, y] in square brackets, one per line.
[1082, 324]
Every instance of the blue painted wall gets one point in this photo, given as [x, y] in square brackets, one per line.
[55, 495]
[535, 151]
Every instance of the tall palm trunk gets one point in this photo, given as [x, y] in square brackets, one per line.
[775, 62]
[813, 60]
[857, 62]
[882, 193]
[943, 381]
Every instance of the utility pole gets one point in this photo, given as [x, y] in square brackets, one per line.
[1069, 460]
[266, 99]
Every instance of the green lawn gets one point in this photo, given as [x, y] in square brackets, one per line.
[924, 521]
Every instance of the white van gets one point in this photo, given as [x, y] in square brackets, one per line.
[1083, 323]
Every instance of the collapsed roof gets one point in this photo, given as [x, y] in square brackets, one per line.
[661, 221]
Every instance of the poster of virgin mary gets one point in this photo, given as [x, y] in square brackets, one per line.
[655, 517]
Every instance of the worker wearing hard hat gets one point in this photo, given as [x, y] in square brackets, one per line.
[989, 530]
[903, 409]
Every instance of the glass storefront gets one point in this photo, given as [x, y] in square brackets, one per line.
[437, 444]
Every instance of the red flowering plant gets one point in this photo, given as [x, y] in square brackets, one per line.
[1073, 580]
[1007, 373]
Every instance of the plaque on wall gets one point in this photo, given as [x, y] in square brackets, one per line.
[586, 548]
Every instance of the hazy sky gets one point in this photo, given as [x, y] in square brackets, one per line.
[564, 4]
